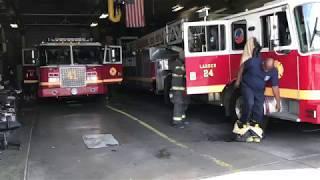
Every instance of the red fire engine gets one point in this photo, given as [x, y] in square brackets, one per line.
[65, 67]
[289, 31]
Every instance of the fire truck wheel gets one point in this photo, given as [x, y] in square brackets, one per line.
[2, 145]
[235, 105]
[101, 99]
[236, 108]
[166, 90]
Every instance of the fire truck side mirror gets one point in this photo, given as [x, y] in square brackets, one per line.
[274, 31]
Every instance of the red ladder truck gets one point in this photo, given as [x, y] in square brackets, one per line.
[289, 32]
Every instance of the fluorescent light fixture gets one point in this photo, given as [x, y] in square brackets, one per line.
[103, 16]
[177, 8]
[14, 26]
[94, 24]
[203, 9]
[219, 10]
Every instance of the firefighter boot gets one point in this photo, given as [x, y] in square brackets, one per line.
[256, 132]
[244, 138]
[178, 124]
[242, 133]
[240, 128]
[185, 120]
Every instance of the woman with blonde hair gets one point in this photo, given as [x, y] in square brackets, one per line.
[251, 49]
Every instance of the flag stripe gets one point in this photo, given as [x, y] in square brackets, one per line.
[135, 14]
[142, 15]
[127, 16]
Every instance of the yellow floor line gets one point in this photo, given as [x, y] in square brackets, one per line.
[173, 141]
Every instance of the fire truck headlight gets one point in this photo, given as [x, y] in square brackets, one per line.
[92, 76]
[74, 91]
[53, 79]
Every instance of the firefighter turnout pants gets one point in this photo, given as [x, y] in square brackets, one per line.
[180, 106]
[252, 113]
[252, 108]
[178, 91]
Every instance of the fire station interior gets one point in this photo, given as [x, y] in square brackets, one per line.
[82, 97]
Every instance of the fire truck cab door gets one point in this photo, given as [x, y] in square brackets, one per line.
[113, 64]
[29, 62]
[207, 54]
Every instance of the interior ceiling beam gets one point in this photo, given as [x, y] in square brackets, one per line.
[65, 15]
[71, 24]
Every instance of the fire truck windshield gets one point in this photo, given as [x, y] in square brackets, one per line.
[87, 55]
[308, 25]
[57, 55]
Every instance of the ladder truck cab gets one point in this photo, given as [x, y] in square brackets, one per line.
[113, 64]
[65, 67]
[289, 32]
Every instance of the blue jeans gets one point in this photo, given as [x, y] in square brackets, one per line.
[252, 108]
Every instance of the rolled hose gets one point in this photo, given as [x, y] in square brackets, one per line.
[114, 15]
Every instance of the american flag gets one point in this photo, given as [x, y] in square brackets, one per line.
[135, 14]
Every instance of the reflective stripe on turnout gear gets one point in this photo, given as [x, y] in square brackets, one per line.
[180, 67]
[178, 75]
[177, 118]
[240, 130]
[177, 88]
[184, 116]
[257, 130]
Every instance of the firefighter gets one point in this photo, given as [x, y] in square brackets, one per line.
[11, 79]
[178, 93]
[254, 74]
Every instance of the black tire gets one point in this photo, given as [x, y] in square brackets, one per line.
[265, 123]
[2, 145]
[166, 91]
[233, 105]
[99, 99]
[235, 96]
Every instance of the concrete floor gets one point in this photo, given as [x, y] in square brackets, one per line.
[149, 147]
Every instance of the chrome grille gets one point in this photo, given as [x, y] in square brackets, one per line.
[73, 76]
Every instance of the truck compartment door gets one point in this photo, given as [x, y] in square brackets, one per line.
[113, 64]
[29, 62]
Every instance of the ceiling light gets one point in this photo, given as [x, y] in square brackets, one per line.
[177, 8]
[103, 16]
[14, 26]
[94, 24]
